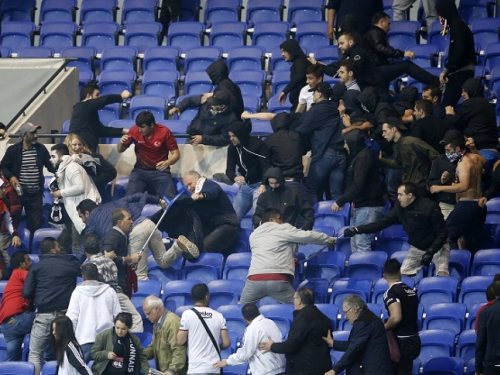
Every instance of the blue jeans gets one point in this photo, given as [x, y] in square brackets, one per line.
[491, 158]
[330, 167]
[14, 329]
[152, 181]
[86, 348]
[362, 216]
[245, 199]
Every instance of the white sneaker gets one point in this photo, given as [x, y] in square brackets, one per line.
[188, 246]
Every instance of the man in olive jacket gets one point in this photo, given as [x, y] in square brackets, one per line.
[168, 355]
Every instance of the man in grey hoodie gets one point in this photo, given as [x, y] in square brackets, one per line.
[272, 268]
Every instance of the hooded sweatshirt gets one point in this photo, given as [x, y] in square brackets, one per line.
[286, 147]
[285, 199]
[297, 70]
[476, 117]
[91, 309]
[407, 99]
[462, 54]
[364, 188]
[251, 156]
[219, 75]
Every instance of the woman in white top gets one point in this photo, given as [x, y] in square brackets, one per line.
[69, 355]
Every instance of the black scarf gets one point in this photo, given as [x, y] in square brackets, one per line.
[125, 348]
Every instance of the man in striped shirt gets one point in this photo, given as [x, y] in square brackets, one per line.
[23, 166]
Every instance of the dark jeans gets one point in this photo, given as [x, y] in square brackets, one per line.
[86, 348]
[222, 239]
[392, 71]
[170, 11]
[409, 348]
[467, 220]
[155, 182]
[14, 329]
[330, 167]
[33, 204]
[491, 370]
[454, 87]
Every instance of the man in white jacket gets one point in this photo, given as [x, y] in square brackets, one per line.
[272, 268]
[92, 307]
[74, 185]
[259, 329]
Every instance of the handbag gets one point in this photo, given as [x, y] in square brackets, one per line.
[393, 346]
[216, 346]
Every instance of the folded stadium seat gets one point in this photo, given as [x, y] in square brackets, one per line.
[17, 34]
[466, 348]
[147, 288]
[246, 58]
[330, 311]
[234, 318]
[143, 11]
[300, 11]
[84, 55]
[155, 104]
[270, 35]
[164, 275]
[281, 314]
[17, 368]
[217, 11]
[491, 56]
[436, 343]
[485, 31]
[230, 190]
[459, 264]
[49, 368]
[178, 293]
[199, 58]
[273, 105]
[380, 287]
[115, 81]
[251, 83]
[100, 35]
[438, 289]
[486, 263]
[185, 35]
[227, 35]
[325, 216]
[344, 287]
[261, 127]
[175, 126]
[471, 10]
[326, 54]
[339, 336]
[206, 268]
[251, 103]
[35, 52]
[120, 58]
[188, 113]
[15, 10]
[366, 264]
[328, 265]
[197, 83]
[434, 36]
[180, 310]
[120, 184]
[161, 58]
[40, 234]
[281, 78]
[143, 35]
[312, 34]
[225, 292]
[472, 315]
[95, 11]
[58, 35]
[493, 211]
[109, 113]
[319, 286]
[119, 124]
[264, 11]
[58, 11]
[237, 266]
[443, 366]
[445, 316]
[426, 55]
[403, 34]
[474, 290]
[471, 367]
[5, 51]
[161, 83]
[392, 239]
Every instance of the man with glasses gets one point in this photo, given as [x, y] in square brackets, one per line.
[170, 358]
[366, 350]
[304, 349]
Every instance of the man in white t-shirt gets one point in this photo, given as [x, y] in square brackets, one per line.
[202, 353]
[259, 329]
[314, 75]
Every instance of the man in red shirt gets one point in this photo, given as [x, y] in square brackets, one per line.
[153, 142]
[16, 316]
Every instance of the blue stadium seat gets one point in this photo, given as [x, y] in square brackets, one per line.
[326, 54]
[220, 11]
[190, 112]
[434, 36]
[95, 11]
[145, 337]
[312, 34]
[199, 58]
[40, 234]
[251, 83]
[197, 83]
[234, 319]
[264, 11]
[466, 347]
[325, 216]
[5, 51]
[319, 286]
[392, 239]
[142, 35]
[261, 127]
[474, 290]
[443, 366]
[142, 11]
[17, 34]
[115, 81]
[121, 182]
[471, 319]
[109, 113]
[486, 263]
[100, 35]
[228, 35]
[273, 105]
[380, 287]
[493, 211]
[49, 368]
[366, 264]
[175, 126]
[339, 336]
[281, 314]
[438, 289]
[491, 56]
[16, 10]
[471, 10]
[58, 11]
[206, 268]
[185, 35]
[485, 31]
[344, 287]
[164, 275]
[148, 211]
[300, 11]
[161, 58]
[251, 104]
[426, 55]
[459, 265]
[471, 367]
[161, 83]
[127, 124]
[237, 266]
[225, 292]
[85, 56]
[119, 58]
[178, 293]
[330, 311]
[148, 287]
[155, 104]
[436, 343]
[328, 265]
[445, 316]
[246, 58]
[403, 34]
[281, 78]
[17, 368]
[270, 35]
[35, 52]
[58, 35]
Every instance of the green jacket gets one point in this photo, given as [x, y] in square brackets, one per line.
[414, 157]
[164, 349]
[104, 344]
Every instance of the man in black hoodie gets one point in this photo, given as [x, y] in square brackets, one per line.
[364, 188]
[285, 199]
[461, 55]
[291, 51]
[219, 75]
[247, 161]
[428, 128]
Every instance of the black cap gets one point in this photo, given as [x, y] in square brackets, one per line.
[220, 97]
[451, 135]
[396, 122]
[323, 88]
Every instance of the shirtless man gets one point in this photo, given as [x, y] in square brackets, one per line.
[469, 215]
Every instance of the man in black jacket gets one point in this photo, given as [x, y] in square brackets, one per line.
[292, 52]
[366, 350]
[85, 118]
[322, 125]
[427, 234]
[304, 349]
[23, 166]
[250, 156]
[461, 55]
[286, 199]
[428, 128]
[377, 43]
[219, 75]
[488, 338]
[49, 283]
[364, 188]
